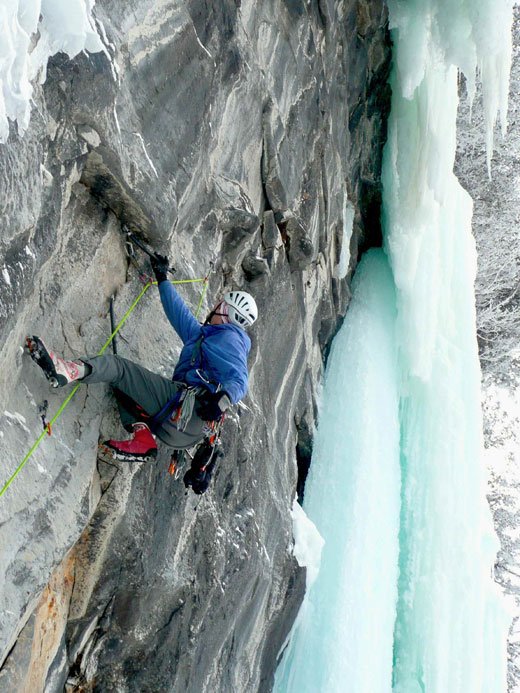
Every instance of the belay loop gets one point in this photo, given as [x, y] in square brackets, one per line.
[179, 409]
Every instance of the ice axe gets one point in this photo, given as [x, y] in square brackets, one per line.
[133, 238]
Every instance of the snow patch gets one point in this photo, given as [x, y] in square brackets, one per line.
[138, 135]
[16, 418]
[348, 225]
[308, 542]
[6, 276]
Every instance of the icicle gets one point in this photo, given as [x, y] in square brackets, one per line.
[31, 31]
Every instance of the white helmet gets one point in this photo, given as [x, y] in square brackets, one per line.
[242, 310]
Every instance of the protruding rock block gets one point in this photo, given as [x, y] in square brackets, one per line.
[238, 226]
[254, 266]
[239, 220]
[101, 176]
[300, 247]
[271, 237]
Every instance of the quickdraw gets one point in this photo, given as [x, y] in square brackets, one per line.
[177, 463]
[211, 435]
[42, 411]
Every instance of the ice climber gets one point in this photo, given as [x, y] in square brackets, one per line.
[210, 376]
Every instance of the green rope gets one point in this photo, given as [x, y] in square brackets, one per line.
[202, 294]
[119, 325]
[124, 319]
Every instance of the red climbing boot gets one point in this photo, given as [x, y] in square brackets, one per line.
[141, 447]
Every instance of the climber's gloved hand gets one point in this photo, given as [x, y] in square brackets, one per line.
[211, 405]
[160, 266]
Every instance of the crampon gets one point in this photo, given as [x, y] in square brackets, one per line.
[141, 447]
[58, 371]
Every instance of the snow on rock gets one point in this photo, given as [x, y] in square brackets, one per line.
[6, 276]
[18, 418]
[308, 542]
[348, 224]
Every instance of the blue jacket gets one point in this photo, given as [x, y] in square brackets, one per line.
[221, 356]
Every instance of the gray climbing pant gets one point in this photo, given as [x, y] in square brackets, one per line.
[148, 390]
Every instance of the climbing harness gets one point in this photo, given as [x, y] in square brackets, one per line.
[179, 410]
[185, 408]
[114, 331]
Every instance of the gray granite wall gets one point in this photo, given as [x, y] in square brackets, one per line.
[235, 135]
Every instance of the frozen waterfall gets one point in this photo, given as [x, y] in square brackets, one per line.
[354, 500]
[405, 598]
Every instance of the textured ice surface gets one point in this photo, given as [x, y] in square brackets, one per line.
[432, 36]
[31, 31]
[352, 495]
[451, 625]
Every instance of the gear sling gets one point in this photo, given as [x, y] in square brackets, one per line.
[179, 408]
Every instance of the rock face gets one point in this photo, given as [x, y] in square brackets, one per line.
[234, 135]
